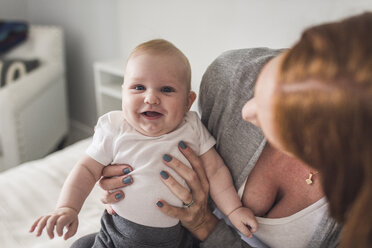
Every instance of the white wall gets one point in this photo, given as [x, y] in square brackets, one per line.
[205, 28]
[91, 31]
[13, 10]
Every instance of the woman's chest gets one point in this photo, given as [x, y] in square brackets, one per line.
[277, 187]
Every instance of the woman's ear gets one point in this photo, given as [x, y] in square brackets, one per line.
[249, 112]
[190, 99]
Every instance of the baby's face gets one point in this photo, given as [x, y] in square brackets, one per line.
[155, 93]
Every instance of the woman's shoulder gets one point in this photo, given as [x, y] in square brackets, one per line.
[231, 61]
[226, 86]
[248, 54]
[231, 76]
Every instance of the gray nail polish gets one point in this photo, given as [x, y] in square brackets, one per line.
[118, 196]
[164, 174]
[167, 158]
[160, 204]
[127, 180]
[126, 171]
[182, 145]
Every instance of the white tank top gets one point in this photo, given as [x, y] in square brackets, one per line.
[293, 231]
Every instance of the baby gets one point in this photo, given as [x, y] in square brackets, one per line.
[155, 116]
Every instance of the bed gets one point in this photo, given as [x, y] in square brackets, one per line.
[43, 180]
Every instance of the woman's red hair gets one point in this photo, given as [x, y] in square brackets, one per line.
[323, 115]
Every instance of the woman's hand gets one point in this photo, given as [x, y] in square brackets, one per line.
[196, 217]
[113, 177]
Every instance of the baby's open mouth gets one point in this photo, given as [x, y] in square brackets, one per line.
[151, 114]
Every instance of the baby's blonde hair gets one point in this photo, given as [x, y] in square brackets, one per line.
[166, 48]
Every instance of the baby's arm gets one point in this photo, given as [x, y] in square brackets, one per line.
[75, 190]
[224, 194]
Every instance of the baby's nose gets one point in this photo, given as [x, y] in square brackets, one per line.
[152, 98]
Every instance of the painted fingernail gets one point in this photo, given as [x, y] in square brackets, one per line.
[127, 180]
[160, 204]
[126, 171]
[167, 158]
[164, 174]
[182, 145]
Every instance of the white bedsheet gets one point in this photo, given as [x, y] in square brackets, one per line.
[32, 189]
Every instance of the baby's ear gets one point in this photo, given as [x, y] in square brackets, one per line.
[190, 99]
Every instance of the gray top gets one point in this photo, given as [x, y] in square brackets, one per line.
[226, 86]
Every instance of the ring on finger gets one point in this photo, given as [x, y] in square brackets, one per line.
[187, 205]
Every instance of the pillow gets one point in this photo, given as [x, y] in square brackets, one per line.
[12, 69]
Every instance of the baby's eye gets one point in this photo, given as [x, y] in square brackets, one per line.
[167, 89]
[140, 87]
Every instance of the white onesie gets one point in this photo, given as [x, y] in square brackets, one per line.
[117, 142]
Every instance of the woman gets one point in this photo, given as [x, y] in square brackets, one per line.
[300, 104]
[324, 97]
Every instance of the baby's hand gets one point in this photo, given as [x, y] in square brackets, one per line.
[60, 218]
[243, 219]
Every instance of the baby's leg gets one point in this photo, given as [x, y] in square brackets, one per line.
[117, 232]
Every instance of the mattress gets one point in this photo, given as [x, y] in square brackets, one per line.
[32, 189]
